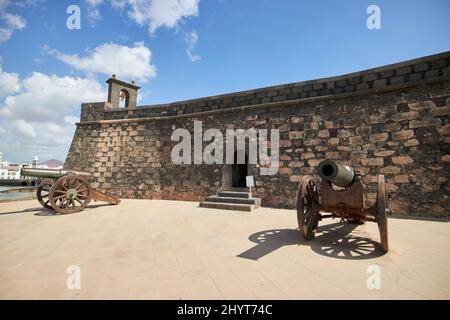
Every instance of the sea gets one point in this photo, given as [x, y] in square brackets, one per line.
[15, 195]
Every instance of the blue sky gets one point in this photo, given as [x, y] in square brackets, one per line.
[233, 45]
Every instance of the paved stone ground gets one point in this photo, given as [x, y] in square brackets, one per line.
[174, 250]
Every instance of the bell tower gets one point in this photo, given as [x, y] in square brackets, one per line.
[122, 94]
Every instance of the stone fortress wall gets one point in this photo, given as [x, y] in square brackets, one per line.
[392, 120]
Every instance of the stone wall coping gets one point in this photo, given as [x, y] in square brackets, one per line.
[302, 83]
[284, 103]
[99, 103]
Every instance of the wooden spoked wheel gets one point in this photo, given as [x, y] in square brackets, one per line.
[308, 207]
[382, 217]
[43, 192]
[70, 194]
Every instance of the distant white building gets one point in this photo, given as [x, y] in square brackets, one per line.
[35, 162]
[3, 164]
[9, 170]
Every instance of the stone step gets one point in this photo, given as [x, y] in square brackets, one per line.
[234, 194]
[227, 206]
[239, 189]
[255, 201]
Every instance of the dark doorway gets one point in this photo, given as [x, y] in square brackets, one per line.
[239, 173]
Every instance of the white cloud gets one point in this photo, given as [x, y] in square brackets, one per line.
[158, 13]
[191, 39]
[94, 14]
[9, 83]
[49, 98]
[38, 118]
[130, 63]
[94, 3]
[11, 23]
[24, 129]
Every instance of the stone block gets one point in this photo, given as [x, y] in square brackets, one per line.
[377, 118]
[372, 162]
[446, 72]
[356, 141]
[285, 171]
[430, 122]
[341, 83]
[362, 86]
[389, 127]
[311, 126]
[401, 179]
[370, 77]
[323, 133]
[330, 125]
[444, 130]
[317, 86]
[314, 162]
[421, 67]
[415, 77]
[333, 155]
[421, 105]
[403, 71]
[333, 141]
[296, 135]
[397, 80]
[295, 178]
[312, 142]
[438, 64]
[344, 148]
[364, 131]
[405, 116]
[402, 160]
[387, 74]
[411, 143]
[307, 155]
[383, 153]
[390, 170]
[296, 164]
[403, 135]
[344, 134]
[431, 74]
[439, 112]
[379, 137]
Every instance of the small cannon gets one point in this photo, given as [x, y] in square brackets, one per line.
[65, 191]
[340, 194]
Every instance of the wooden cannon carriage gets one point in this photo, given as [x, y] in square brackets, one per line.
[339, 194]
[66, 191]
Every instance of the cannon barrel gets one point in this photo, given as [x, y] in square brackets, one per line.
[338, 174]
[49, 173]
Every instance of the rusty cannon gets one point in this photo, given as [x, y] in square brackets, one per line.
[340, 194]
[66, 191]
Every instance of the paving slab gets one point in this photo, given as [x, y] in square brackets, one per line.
[155, 249]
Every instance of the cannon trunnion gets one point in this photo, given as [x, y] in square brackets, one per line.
[66, 191]
[339, 194]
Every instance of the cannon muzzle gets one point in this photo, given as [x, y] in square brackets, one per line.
[338, 174]
[49, 173]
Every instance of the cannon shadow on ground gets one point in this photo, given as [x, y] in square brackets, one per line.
[44, 212]
[37, 211]
[333, 240]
